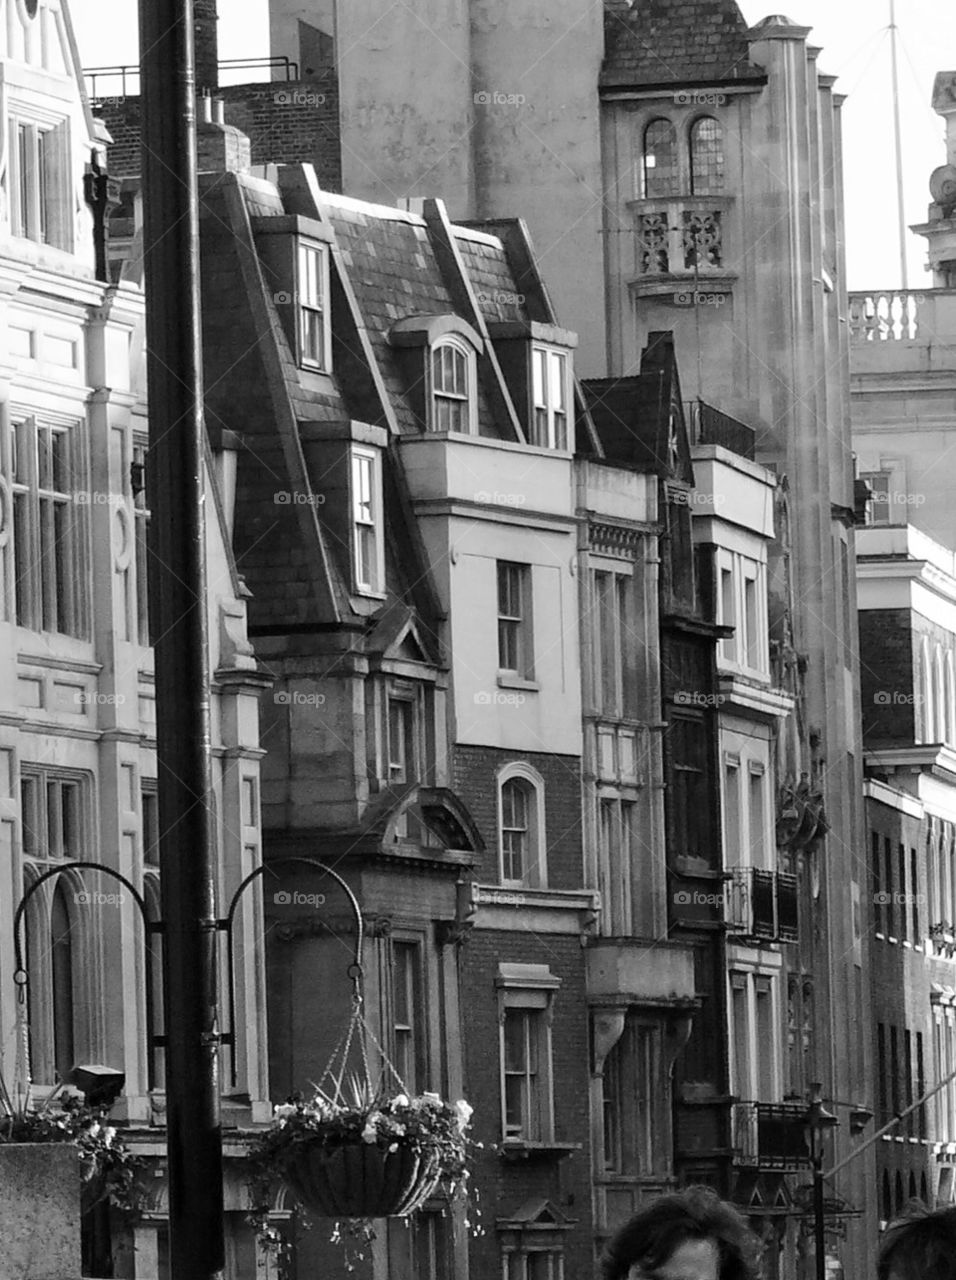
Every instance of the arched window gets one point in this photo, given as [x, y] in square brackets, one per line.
[521, 826]
[659, 166]
[706, 157]
[452, 387]
[61, 972]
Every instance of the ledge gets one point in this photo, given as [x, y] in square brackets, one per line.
[567, 911]
[517, 1149]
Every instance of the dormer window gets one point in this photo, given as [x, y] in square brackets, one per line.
[550, 396]
[452, 386]
[313, 311]
[368, 555]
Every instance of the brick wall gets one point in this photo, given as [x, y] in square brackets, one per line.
[294, 122]
[475, 771]
[503, 1187]
[886, 675]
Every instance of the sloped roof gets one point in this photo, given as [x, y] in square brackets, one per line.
[661, 42]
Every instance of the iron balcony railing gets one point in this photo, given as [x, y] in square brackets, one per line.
[762, 904]
[770, 1135]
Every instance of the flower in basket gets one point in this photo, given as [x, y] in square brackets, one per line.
[364, 1155]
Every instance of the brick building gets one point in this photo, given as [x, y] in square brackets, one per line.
[907, 635]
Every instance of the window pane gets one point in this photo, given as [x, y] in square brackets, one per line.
[706, 158]
[516, 1041]
[62, 967]
[660, 160]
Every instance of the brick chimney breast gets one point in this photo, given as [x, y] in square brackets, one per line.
[220, 147]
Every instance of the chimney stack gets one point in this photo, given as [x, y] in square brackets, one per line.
[205, 19]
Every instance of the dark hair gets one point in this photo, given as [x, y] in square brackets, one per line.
[921, 1246]
[697, 1213]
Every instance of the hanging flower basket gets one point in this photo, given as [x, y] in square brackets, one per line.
[365, 1156]
[361, 1181]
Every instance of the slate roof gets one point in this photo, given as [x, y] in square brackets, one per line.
[491, 277]
[685, 42]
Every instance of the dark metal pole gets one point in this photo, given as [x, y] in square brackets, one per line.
[178, 606]
[819, 1215]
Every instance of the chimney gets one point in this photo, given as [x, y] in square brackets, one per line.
[220, 147]
[207, 45]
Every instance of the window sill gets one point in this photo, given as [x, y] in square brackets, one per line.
[515, 1149]
[508, 681]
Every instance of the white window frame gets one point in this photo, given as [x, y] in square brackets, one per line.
[37, 596]
[40, 208]
[467, 399]
[367, 516]
[521, 621]
[748, 649]
[536, 871]
[529, 989]
[546, 430]
[746, 979]
[85, 921]
[312, 310]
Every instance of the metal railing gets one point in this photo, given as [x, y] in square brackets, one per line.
[762, 904]
[127, 75]
[770, 1135]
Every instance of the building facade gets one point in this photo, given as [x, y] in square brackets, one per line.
[79, 772]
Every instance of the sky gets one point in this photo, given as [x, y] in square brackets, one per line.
[856, 48]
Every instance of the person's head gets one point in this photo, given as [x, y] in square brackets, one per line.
[921, 1246]
[691, 1235]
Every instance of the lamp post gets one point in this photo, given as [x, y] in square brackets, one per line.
[816, 1120]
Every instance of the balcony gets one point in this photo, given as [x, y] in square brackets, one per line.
[770, 1136]
[710, 426]
[681, 241]
[762, 905]
[624, 971]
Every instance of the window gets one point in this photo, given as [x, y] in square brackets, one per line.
[690, 805]
[732, 832]
[753, 638]
[51, 812]
[313, 291]
[878, 508]
[613, 644]
[632, 1089]
[526, 992]
[520, 826]
[659, 171]
[728, 613]
[535, 1264]
[401, 740]
[49, 587]
[615, 846]
[141, 524]
[367, 543]
[407, 1020]
[550, 391]
[40, 161]
[754, 1037]
[757, 810]
[514, 619]
[418, 1248]
[150, 806]
[452, 366]
[706, 158]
